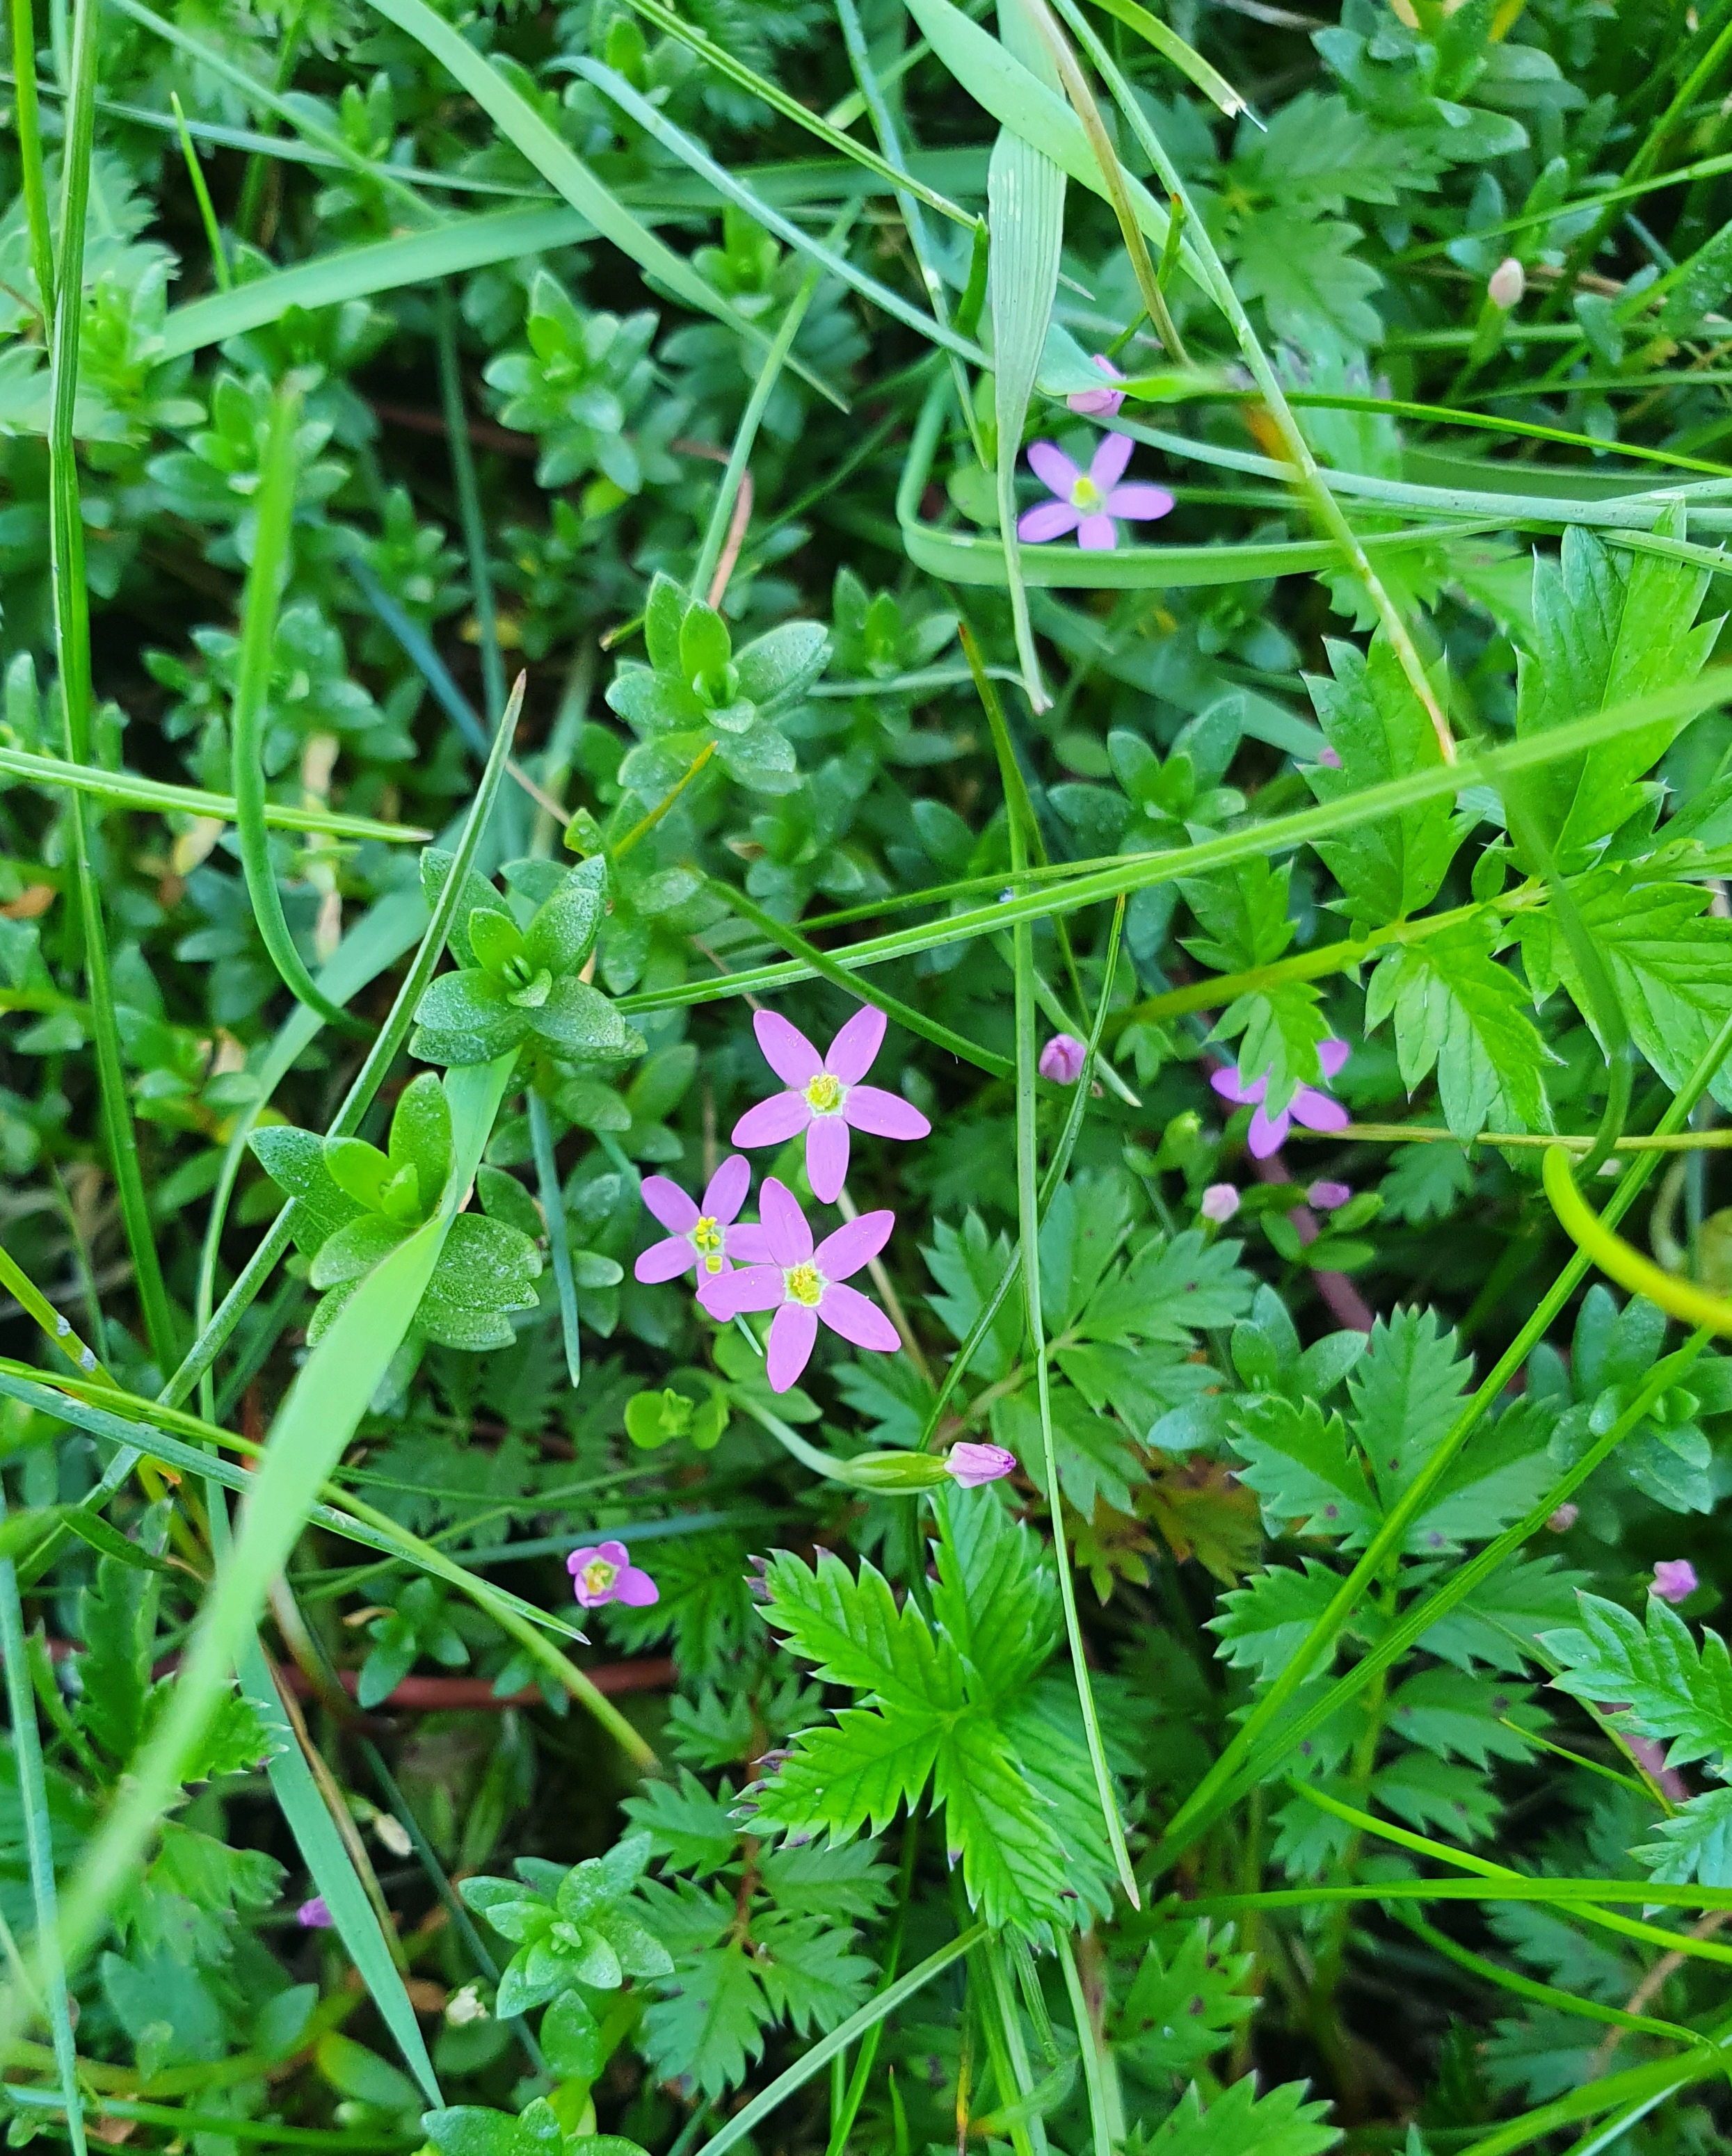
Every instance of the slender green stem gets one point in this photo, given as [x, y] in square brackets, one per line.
[201, 193]
[38, 1844]
[468, 502]
[1088, 2051]
[72, 643]
[546, 1170]
[27, 118]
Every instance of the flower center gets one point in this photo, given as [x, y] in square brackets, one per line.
[708, 1241]
[825, 1094]
[805, 1284]
[598, 1575]
[1085, 494]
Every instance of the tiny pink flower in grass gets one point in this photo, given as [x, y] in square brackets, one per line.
[1101, 403]
[1327, 1197]
[1219, 1203]
[315, 1916]
[802, 1285]
[972, 1465]
[1062, 1059]
[1566, 1517]
[606, 1574]
[825, 1099]
[1309, 1106]
[1087, 501]
[1675, 1580]
[706, 1235]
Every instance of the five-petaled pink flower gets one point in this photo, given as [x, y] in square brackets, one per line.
[1675, 1579]
[606, 1574]
[1309, 1106]
[825, 1099]
[707, 1236]
[802, 1285]
[1101, 403]
[972, 1465]
[1089, 501]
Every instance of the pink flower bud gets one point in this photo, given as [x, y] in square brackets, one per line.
[1506, 284]
[1674, 1580]
[972, 1465]
[314, 1915]
[1564, 1518]
[1327, 1196]
[1062, 1059]
[1099, 404]
[1220, 1202]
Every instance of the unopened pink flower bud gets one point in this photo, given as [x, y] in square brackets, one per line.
[972, 1465]
[1674, 1580]
[1326, 1196]
[1566, 1517]
[1099, 404]
[1219, 1203]
[315, 1916]
[1062, 1059]
[1506, 284]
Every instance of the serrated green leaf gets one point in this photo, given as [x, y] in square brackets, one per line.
[1240, 2123]
[1458, 1011]
[1666, 1687]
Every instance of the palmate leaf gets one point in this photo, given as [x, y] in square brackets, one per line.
[1183, 2007]
[1240, 2123]
[996, 1597]
[851, 1629]
[1456, 1010]
[1676, 1693]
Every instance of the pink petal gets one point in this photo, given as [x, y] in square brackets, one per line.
[664, 1261]
[1139, 503]
[792, 1331]
[883, 1115]
[827, 1156]
[615, 1553]
[635, 1588]
[846, 1311]
[1266, 1133]
[1053, 468]
[670, 1203]
[851, 1052]
[784, 1225]
[1095, 535]
[853, 1244]
[786, 1049]
[774, 1122]
[754, 1287]
[727, 1190]
[1110, 461]
[1317, 1111]
[748, 1244]
[579, 1557]
[1226, 1084]
[1047, 519]
[1333, 1054]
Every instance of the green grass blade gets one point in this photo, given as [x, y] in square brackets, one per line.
[527, 132]
[265, 578]
[1189, 62]
[38, 1845]
[552, 1198]
[692, 153]
[72, 648]
[54, 774]
[468, 502]
[878, 2008]
[315, 1424]
[358, 273]
[334, 1876]
[32, 182]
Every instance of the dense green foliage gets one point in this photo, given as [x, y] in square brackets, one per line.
[841, 842]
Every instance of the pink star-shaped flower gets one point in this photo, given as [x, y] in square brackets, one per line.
[606, 1574]
[1309, 1106]
[705, 1235]
[826, 1098]
[1087, 502]
[802, 1285]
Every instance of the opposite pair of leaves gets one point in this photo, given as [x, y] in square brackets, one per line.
[518, 979]
[356, 1205]
[570, 1928]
